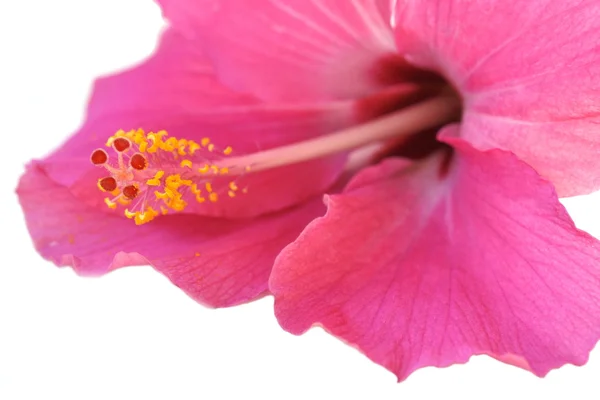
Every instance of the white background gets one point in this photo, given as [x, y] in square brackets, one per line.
[131, 334]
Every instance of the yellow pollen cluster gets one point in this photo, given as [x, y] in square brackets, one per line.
[142, 217]
[156, 184]
[152, 142]
[155, 181]
[171, 196]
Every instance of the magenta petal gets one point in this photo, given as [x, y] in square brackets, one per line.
[290, 50]
[530, 80]
[176, 90]
[418, 270]
[218, 263]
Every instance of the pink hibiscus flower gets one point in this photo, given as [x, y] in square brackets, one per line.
[437, 248]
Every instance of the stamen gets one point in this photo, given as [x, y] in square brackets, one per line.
[153, 179]
[186, 163]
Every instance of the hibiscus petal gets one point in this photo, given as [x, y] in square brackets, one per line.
[177, 90]
[422, 266]
[291, 49]
[218, 263]
[530, 80]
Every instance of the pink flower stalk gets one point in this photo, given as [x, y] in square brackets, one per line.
[442, 132]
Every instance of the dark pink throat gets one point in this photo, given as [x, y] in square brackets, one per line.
[403, 86]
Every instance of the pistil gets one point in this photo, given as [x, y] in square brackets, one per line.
[155, 174]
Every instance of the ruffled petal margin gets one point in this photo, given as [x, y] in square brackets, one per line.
[217, 262]
[423, 266]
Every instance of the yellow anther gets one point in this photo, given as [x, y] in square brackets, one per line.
[175, 181]
[123, 201]
[171, 193]
[152, 211]
[181, 147]
[195, 190]
[231, 193]
[172, 181]
[161, 195]
[164, 210]
[153, 148]
[227, 150]
[171, 196]
[143, 146]
[156, 140]
[111, 204]
[213, 197]
[141, 217]
[146, 216]
[205, 141]
[172, 141]
[192, 146]
[198, 193]
[204, 169]
[214, 169]
[208, 187]
[156, 180]
[153, 182]
[211, 147]
[176, 203]
[233, 186]
[186, 163]
[224, 171]
[171, 144]
[139, 136]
